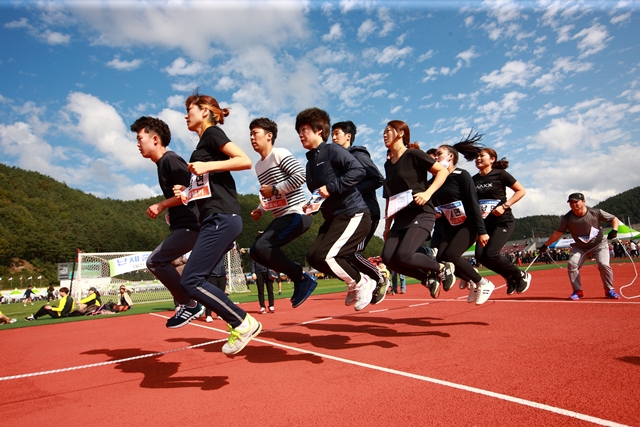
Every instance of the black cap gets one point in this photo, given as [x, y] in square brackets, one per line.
[93, 289]
[575, 196]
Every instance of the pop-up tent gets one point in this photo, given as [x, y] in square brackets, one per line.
[624, 232]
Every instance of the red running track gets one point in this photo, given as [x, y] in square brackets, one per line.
[534, 359]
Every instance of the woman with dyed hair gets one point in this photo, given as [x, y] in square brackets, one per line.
[407, 228]
[491, 185]
[214, 191]
[458, 203]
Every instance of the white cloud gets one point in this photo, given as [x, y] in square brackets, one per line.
[323, 55]
[563, 33]
[589, 125]
[468, 21]
[20, 23]
[175, 101]
[594, 39]
[180, 67]
[389, 54]
[549, 110]
[335, 33]
[622, 18]
[561, 68]
[467, 56]
[117, 64]
[495, 112]
[98, 124]
[366, 29]
[513, 72]
[425, 55]
[54, 37]
[388, 24]
[197, 29]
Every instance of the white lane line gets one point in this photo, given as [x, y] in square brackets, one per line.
[524, 402]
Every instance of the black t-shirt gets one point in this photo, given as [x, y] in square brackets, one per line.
[224, 197]
[492, 191]
[172, 170]
[459, 187]
[410, 172]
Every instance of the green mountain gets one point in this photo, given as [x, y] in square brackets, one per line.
[43, 221]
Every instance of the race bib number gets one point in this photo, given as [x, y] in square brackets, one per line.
[273, 202]
[198, 189]
[592, 235]
[398, 202]
[314, 203]
[487, 205]
[454, 212]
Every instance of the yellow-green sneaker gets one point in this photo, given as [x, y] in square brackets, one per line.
[239, 337]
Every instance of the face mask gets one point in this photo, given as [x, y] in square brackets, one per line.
[444, 163]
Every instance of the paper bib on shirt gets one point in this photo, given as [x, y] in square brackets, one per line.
[592, 235]
[314, 203]
[398, 202]
[198, 189]
[454, 212]
[274, 202]
[487, 205]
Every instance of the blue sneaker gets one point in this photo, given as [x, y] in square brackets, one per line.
[304, 290]
[611, 294]
[576, 295]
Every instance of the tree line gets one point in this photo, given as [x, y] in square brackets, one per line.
[43, 221]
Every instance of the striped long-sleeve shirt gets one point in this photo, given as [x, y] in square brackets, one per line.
[283, 171]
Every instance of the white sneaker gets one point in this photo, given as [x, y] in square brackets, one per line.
[473, 292]
[364, 291]
[13, 320]
[351, 296]
[484, 292]
[241, 335]
[209, 319]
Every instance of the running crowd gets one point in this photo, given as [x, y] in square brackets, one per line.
[427, 198]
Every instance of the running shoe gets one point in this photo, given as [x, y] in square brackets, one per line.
[473, 292]
[262, 310]
[512, 284]
[380, 291]
[239, 337]
[611, 294]
[576, 295]
[185, 315]
[29, 318]
[350, 299]
[484, 292]
[524, 283]
[272, 309]
[209, 319]
[13, 320]
[305, 287]
[434, 280]
[364, 291]
[448, 278]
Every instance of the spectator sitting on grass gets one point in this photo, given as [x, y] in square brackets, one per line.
[123, 301]
[4, 319]
[89, 304]
[63, 309]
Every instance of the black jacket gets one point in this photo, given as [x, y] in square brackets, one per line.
[333, 166]
[372, 181]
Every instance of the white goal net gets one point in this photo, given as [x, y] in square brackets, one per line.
[106, 271]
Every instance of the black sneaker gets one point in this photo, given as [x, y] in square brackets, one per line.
[524, 283]
[380, 291]
[511, 285]
[433, 283]
[184, 315]
[448, 277]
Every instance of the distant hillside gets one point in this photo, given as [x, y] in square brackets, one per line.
[624, 205]
[43, 221]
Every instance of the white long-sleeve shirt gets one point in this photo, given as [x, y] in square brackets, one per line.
[283, 171]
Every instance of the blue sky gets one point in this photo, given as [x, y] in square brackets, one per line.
[553, 85]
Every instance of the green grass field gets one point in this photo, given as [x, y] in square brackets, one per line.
[327, 286]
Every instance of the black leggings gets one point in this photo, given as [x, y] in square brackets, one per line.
[261, 280]
[399, 253]
[455, 241]
[490, 255]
